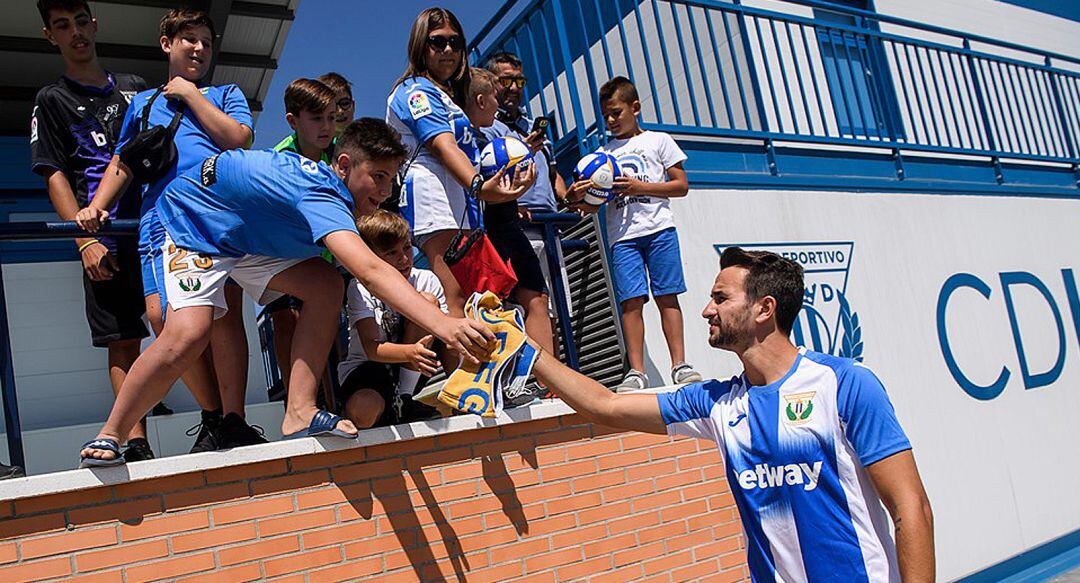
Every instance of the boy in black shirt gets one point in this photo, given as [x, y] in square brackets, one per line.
[73, 132]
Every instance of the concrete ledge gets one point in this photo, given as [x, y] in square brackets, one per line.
[80, 479]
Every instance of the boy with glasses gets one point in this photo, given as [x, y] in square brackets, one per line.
[344, 105]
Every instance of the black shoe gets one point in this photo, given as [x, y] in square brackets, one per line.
[137, 450]
[205, 431]
[7, 472]
[160, 409]
[411, 410]
[235, 432]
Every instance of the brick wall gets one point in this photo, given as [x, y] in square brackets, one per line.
[545, 500]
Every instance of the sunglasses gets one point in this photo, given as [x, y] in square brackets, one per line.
[508, 82]
[440, 42]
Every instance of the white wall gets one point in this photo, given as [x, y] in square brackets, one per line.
[60, 378]
[1001, 474]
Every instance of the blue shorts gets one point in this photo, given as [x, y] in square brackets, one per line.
[151, 238]
[659, 252]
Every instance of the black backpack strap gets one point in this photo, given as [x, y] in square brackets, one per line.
[175, 123]
[146, 109]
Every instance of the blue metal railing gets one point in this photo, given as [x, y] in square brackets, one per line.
[838, 76]
[33, 230]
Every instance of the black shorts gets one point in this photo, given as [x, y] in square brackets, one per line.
[115, 308]
[513, 245]
[377, 376]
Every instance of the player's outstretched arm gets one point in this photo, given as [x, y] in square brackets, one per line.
[595, 402]
[901, 490]
[468, 337]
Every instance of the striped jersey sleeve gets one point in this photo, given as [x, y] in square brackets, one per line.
[687, 410]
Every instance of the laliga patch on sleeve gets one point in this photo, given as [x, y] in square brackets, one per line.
[419, 106]
[208, 172]
[33, 125]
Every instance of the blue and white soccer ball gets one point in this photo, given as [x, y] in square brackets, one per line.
[601, 169]
[505, 152]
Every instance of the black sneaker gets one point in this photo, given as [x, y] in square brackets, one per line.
[235, 432]
[205, 432]
[137, 450]
[7, 472]
[412, 410]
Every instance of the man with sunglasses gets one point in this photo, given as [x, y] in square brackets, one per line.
[549, 187]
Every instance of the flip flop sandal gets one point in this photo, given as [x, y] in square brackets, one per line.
[104, 444]
[323, 423]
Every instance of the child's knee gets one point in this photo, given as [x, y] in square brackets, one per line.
[633, 304]
[667, 301]
[364, 408]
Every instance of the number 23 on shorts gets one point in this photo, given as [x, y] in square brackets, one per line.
[178, 260]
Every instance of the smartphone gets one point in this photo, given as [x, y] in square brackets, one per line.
[540, 124]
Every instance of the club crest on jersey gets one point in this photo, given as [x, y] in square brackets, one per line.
[827, 322]
[419, 106]
[798, 408]
[189, 283]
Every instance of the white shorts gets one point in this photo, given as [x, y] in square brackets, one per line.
[193, 279]
[536, 239]
[430, 206]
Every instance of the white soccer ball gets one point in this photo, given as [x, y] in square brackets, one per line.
[505, 152]
[601, 169]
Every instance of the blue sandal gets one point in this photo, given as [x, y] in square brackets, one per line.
[323, 423]
[104, 444]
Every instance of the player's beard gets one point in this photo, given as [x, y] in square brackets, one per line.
[732, 333]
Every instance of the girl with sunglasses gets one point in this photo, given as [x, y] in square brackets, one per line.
[441, 191]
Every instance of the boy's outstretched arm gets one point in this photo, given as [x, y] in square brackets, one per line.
[468, 337]
[595, 402]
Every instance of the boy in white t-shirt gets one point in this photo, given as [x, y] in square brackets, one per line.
[641, 230]
[387, 353]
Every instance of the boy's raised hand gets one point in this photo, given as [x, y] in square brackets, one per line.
[421, 358]
[90, 219]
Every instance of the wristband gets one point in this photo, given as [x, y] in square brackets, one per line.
[84, 246]
[476, 186]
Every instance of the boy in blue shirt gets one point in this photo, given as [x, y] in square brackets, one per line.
[641, 230]
[215, 119]
[217, 219]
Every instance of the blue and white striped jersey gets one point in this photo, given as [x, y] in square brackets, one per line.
[795, 453]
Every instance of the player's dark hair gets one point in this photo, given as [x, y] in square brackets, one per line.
[180, 19]
[619, 88]
[45, 6]
[769, 274]
[508, 58]
[370, 139]
[308, 95]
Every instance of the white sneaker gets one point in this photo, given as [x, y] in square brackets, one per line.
[524, 395]
[683, 373]
[634, 380]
